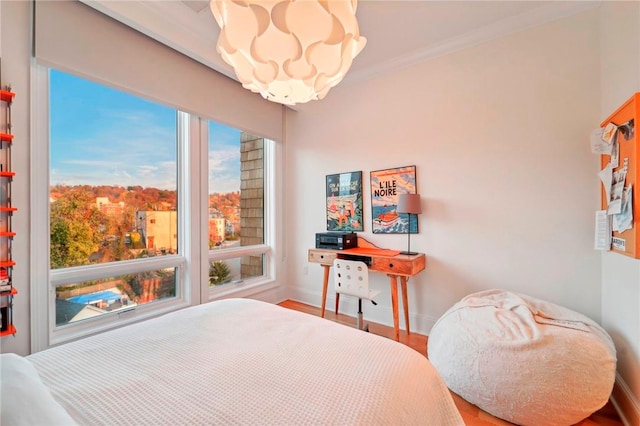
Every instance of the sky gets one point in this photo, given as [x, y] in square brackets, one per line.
[102, 136]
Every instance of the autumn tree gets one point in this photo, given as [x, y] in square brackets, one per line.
[80, 230]
[74, 223]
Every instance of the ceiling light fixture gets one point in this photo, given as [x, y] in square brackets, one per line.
[289, 51]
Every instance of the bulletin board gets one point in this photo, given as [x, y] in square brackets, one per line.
[624, 138]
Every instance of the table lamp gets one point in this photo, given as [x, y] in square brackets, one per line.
[410, 204]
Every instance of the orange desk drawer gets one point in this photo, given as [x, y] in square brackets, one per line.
[398, 265]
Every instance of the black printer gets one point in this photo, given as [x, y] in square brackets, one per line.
[336, 240]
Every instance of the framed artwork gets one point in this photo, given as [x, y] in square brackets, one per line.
[386, 186]
[344, 202]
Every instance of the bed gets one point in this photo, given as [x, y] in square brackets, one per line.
[231, 362]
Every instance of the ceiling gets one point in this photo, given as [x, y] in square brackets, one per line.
[399, 33]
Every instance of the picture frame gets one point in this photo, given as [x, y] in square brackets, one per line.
[386, 186]
[344, 202]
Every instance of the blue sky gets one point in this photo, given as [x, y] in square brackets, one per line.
[102, 136]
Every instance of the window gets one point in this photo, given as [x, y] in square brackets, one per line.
[236, 213]
[113, 174]
[148, 209]
[89, 299]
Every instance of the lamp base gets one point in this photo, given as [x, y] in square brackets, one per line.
[409, 253]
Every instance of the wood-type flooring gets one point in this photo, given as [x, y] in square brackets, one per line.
[472, 415]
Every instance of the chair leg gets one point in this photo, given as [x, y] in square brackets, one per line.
[360, 322]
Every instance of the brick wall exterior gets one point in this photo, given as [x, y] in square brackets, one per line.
[251, 201]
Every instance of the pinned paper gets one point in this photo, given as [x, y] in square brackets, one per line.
[617, 188]
[615, 154]
[603, 231]
[619, 243]
[609, 132]
[624, 220]
[606, 177]
[598, 144]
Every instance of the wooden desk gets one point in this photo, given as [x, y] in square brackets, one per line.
[402, 266]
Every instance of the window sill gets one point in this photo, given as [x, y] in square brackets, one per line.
[243, 289]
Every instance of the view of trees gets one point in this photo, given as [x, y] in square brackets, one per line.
[226, 203]
[82, 233]
[137, 197]
[75, 220]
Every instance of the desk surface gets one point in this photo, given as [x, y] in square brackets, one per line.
[381, 260]
[369, 251]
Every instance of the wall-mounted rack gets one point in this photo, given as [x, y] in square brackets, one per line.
[7, 290]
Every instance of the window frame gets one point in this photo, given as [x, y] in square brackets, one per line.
[192, 263]
[267, 281]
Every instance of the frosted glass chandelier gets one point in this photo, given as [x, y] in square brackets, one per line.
[289, 51]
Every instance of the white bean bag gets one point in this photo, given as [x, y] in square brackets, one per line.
[524, 360]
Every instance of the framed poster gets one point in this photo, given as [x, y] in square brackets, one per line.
[386, 186]
[344, 202]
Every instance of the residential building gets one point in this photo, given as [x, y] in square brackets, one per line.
[158, 229]
[109, 208]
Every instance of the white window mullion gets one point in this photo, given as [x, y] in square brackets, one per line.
[95, 272]
[269, 205]
[230, 253]
[187, 202]
[201, 162]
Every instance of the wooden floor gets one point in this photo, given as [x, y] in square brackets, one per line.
[472, 416]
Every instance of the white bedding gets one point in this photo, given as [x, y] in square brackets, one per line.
[244, 362]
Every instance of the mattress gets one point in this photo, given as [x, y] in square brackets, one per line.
[243, 362]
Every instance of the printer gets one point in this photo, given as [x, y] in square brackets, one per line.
[336, 240]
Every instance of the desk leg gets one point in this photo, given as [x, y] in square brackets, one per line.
[405, 300]
[393, 281]
[325, 284]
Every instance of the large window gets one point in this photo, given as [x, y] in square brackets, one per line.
[113, 190]
[120, 190]
[143, 208]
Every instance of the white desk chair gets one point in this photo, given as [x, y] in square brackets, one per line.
[351, 277]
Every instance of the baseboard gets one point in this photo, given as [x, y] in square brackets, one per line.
[625, 402]
[379, 314]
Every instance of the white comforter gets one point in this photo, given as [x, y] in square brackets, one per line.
[244, 362]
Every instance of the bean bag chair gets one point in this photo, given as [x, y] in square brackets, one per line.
[524, 360]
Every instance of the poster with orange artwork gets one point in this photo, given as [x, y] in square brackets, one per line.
[386, 186]
[344, 202]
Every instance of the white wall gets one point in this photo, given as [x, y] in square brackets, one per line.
[500, 137]
[620, 61]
